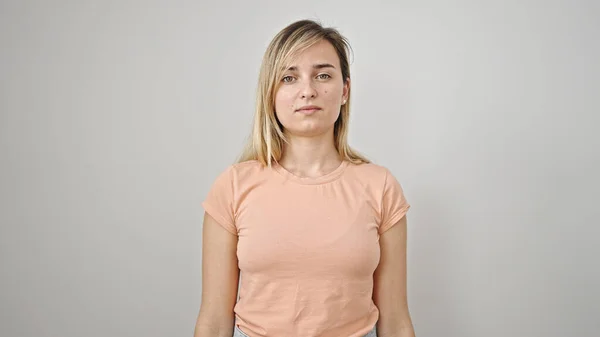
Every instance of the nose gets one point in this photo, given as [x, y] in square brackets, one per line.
[308, 90]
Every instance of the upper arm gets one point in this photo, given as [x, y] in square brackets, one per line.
[220, 276]
[389, 292]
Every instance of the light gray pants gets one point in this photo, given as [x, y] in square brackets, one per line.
[238, 333]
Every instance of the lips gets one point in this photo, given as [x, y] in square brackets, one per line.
[308, 109]
[307, 112]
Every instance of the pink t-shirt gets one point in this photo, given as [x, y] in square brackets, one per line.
[307, 247]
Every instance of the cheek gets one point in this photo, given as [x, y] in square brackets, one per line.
[283, 101]
[333, 92]
[332, 96]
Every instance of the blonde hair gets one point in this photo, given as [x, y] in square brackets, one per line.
[267, 139]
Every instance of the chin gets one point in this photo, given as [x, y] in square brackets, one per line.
[310, 130]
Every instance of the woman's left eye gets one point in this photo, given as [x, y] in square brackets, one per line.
[323, 76]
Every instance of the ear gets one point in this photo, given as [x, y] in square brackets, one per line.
[346, 90]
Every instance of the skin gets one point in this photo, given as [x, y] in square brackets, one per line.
[310, 153]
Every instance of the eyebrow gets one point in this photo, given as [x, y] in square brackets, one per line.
[315, 66]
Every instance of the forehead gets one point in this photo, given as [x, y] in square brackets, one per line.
[320, 52]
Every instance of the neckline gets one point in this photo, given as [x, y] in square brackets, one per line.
[328, 177]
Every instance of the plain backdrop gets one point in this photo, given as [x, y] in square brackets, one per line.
[116, 116]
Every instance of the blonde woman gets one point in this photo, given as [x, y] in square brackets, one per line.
[316, 232]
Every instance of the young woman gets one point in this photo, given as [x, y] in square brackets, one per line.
[316, 232]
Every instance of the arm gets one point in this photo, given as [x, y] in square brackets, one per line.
[219, 281]
[389, 292]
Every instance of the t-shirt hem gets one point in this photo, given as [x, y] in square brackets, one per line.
[394, 219]
[221, 220]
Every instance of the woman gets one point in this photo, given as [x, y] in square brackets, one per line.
[316, 232]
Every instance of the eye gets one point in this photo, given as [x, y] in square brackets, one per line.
[287, 79]
[323, 76]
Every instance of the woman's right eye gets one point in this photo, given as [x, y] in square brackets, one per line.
[287, 78]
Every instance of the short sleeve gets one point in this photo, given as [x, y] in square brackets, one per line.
[219, 202]
[393, 203]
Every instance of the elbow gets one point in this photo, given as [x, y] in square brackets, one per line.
[213, 323]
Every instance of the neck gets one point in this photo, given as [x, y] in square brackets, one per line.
[310, 156]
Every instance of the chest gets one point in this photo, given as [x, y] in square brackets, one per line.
[316, 231]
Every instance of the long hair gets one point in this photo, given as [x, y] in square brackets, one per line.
[267, 138]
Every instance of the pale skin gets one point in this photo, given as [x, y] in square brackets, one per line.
[315, 79]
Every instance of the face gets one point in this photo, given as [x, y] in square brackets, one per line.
[314, 78]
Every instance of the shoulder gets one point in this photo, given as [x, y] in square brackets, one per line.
[240, 173]
[247, 169]
[370, 173]
[235, 179]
